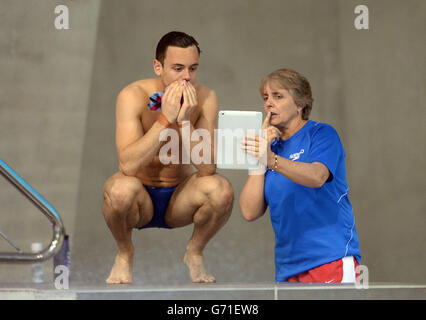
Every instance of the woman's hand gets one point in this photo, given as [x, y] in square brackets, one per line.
[269, 132]
[260, 146]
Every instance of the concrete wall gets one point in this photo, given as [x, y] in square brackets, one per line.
[384, 105]
[369, 84]
[45, 77]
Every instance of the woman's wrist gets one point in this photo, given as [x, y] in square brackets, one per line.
[259, 171]
[272, 161]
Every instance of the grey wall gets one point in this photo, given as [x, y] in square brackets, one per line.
[45, 77]
[383, 78]
[369, 84]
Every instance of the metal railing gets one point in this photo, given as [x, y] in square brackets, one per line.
[45, 208]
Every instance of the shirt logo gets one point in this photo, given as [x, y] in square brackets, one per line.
[296, 156]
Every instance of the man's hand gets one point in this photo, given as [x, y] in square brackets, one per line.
[190, 102]
[170, 103]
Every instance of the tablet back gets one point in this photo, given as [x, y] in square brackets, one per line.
[232, 127]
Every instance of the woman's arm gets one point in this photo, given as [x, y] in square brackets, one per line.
[252, 199]
[312, 175]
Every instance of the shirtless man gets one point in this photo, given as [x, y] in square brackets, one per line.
[148, 193]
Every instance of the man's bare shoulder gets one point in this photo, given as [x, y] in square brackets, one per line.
[205, 94]
[204, 91]
[136, 94]
[139, 90]
[208, 105]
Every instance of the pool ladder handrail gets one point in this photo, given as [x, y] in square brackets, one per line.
[45, 208]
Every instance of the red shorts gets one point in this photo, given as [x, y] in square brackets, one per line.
[339, 271]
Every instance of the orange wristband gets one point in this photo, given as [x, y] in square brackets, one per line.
[163, 120]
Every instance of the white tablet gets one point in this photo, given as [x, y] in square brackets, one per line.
[232, 127]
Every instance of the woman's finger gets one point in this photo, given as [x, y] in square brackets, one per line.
[266, 121]
[251, 150]
[252, 137]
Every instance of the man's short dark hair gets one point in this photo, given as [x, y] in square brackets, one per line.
[175, 39]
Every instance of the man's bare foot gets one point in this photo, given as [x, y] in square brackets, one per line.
[122, 270]
[197, 270]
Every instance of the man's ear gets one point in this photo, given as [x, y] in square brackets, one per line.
[158, 67]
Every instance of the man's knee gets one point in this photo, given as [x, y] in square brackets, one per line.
[220, 193]
[121, 195]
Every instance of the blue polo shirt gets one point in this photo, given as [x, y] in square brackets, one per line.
[312, 226]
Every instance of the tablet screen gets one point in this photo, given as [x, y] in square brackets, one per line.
[232, 127]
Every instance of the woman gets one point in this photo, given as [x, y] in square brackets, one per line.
[304, 186]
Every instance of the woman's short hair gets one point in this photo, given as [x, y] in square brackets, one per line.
[296, 84]
[174, 39]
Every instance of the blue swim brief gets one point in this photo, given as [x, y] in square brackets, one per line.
[160, 198]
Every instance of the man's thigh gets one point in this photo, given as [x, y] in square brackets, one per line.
[190, 195]
[122, 191]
